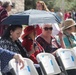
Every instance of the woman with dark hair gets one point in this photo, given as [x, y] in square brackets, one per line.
[10, 40]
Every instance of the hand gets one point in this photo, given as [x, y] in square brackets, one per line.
[60, 34]
[19, 59]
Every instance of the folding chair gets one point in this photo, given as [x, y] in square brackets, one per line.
[67, 61]
[0, 73]
[48, 64]
[29, 68]
[74, 50]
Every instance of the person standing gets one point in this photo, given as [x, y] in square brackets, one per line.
[1, 1]
[60, 15]
[4, 9]
[40, 5]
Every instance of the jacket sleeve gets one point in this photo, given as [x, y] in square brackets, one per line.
[5, 57]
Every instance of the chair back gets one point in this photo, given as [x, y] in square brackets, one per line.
[74, 50]
[67, 57]
[48, 63]
[0, 73]
[29, 68]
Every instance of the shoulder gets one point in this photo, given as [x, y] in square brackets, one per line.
[38, 38]
[4, 41]
[74, 34]
[2, 10]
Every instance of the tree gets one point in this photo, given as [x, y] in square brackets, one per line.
[30, 4]
[56, 4]
[66, 4]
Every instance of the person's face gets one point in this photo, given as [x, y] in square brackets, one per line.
[16, 34]
[47, 29]
[9, 8]
[32, 35]
[0, 3]
[73, 29]
[39, 6]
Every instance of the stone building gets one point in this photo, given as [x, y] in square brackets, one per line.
[18, 6]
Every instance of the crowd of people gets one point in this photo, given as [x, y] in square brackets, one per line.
[35, 39]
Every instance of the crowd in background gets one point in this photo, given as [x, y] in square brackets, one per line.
[34, 43]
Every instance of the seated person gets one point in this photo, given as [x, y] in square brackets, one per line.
[69, 35]
[47, 41]
[32, 47]
[10, 40]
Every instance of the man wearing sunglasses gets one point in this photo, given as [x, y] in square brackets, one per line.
[47, 41]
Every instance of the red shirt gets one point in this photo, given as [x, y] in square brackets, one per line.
[3, 15]
[27, 43]
[66, 16]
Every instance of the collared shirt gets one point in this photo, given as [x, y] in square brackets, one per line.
[48, 47]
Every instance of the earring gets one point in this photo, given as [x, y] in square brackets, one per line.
[10, 35]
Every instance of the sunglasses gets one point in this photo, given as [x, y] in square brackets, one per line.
[46, 28]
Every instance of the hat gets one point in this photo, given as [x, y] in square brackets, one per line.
[1, 0]
[68, 23]
[10, 2]
[27, 31]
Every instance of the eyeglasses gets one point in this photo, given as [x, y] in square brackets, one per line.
[46, 28]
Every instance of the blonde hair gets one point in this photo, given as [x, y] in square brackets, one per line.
[44, 7]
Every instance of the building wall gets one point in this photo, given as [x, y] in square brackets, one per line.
[19, 6]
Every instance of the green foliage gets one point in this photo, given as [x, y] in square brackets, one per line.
[30, 4]
[56, 4]
[66, 4]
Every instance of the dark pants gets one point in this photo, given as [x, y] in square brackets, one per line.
[39, 70]
[11, 72]
[71, 72]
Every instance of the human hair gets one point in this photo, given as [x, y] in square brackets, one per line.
[6, 33]
[5, 4]
[0, 3]
[68, 29]
[44, 7]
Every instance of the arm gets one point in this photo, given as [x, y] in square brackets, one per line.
[6, 56]
[61, 39]
[4, 14]
[19, 59]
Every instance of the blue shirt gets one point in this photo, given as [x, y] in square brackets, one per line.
[5, 57]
